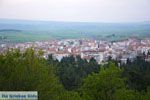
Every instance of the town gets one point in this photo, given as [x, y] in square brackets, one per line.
[87, 48]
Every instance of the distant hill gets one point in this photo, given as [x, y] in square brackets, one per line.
[26, 30]
[9, 30]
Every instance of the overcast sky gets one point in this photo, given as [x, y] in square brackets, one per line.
[77, 10]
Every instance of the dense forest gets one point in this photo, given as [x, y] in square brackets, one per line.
[74, 78]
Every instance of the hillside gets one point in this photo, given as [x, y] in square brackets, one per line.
[28, 30]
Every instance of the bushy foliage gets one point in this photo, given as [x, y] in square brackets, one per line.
[103, 85]
[28, 71]
[72, 70]
[138, 73]
[73, 78]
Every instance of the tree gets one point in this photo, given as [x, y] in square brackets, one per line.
[138, 74]
[103, 85]
[146, 96]
[126, 94]
[69, 95]
[28, 71]
[93, 66]
[52, 61]
[72, 70]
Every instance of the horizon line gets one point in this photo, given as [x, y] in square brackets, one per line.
[43, 20]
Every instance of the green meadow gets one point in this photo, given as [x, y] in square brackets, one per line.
[28, 31]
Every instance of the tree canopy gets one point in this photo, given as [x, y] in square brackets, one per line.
[73, 78]
[28, 71]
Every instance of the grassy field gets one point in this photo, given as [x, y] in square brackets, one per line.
[26, 31]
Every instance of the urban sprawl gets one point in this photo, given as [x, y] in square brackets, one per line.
[87, 48]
